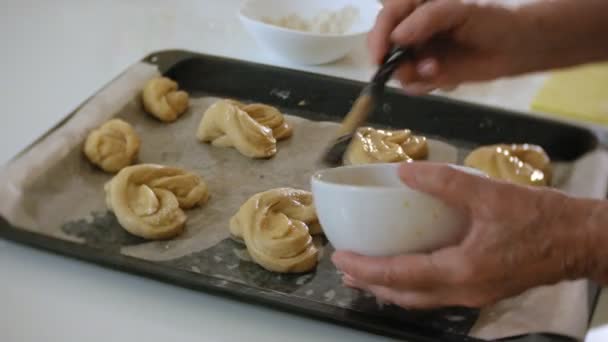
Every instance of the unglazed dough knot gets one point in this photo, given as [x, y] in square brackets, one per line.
[371, 145]
[225, 124]
[162, 99]
[522, 164]
[148, 199]
[275, 226]
[112, 146]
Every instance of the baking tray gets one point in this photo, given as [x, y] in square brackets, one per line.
[326, 98]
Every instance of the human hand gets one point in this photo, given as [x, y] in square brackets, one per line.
[516, 238]
[456, 41]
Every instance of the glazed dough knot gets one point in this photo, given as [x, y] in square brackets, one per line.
[276, 226]
[371, 145]
[225, 124]
[522, 164]
[112, 146]
[267, 116]
[148, 199]
[162, 99]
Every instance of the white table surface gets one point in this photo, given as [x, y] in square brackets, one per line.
[54, 54]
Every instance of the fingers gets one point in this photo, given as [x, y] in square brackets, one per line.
[389, 17]
[403, 298]
[428, 20]
[406, 299]
[455, 187]
[418, 88]
[415, 271]
[416, 78]
[434, 68]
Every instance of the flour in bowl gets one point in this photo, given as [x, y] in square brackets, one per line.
[326, 22]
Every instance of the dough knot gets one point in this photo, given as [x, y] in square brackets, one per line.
[162, 99]
[148, 199]
[225, 124]
[522, 164]
[276, 226]
[371, 145]
[112, 146]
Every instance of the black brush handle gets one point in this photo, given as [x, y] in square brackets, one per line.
[392, 60]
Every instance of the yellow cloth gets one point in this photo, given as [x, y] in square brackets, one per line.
[579, 93]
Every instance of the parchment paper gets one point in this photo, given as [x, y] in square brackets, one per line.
[51, 187]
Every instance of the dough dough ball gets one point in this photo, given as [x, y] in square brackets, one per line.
[276, 226]
[148, 199]
[112, 146]
[371, 145]
[225, 124]
[162, 99]
[522, 164]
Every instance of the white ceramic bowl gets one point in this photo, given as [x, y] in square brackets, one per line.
[304, 47]
[366, 209]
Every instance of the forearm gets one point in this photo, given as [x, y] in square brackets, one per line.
[562, 33]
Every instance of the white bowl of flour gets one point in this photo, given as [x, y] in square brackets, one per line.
[309, 32]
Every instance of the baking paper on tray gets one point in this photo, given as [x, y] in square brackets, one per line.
[52, 184]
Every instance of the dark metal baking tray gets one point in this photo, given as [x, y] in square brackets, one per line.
[328, 98]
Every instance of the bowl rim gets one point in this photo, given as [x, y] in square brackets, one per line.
[317, 178]
[247, 18]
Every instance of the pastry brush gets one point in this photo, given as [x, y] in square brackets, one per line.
[364, 105]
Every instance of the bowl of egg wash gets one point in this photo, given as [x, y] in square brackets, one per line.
[309, 32]
[368, 210]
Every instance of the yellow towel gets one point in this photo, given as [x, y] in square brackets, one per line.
[579, 93]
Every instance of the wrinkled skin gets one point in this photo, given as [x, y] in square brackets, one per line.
[517, 238]
[459, 41]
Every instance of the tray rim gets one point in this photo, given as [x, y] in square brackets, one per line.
[175, 56]
[186, 279]
[165, 59]
[204, 283]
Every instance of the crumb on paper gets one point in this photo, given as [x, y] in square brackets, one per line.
[303, 279]
[343, 304]
[325, 22]
[329, 295]
[242, 254]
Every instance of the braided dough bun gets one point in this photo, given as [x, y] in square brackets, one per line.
[148, 199]
[522, 164]
[224, 124]
[162, 99]
[370, 145]
[276, 226]
[112, 146]
[267, 116]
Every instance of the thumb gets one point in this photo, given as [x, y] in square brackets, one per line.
[446, 182]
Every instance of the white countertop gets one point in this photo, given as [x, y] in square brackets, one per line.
[56, 54]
